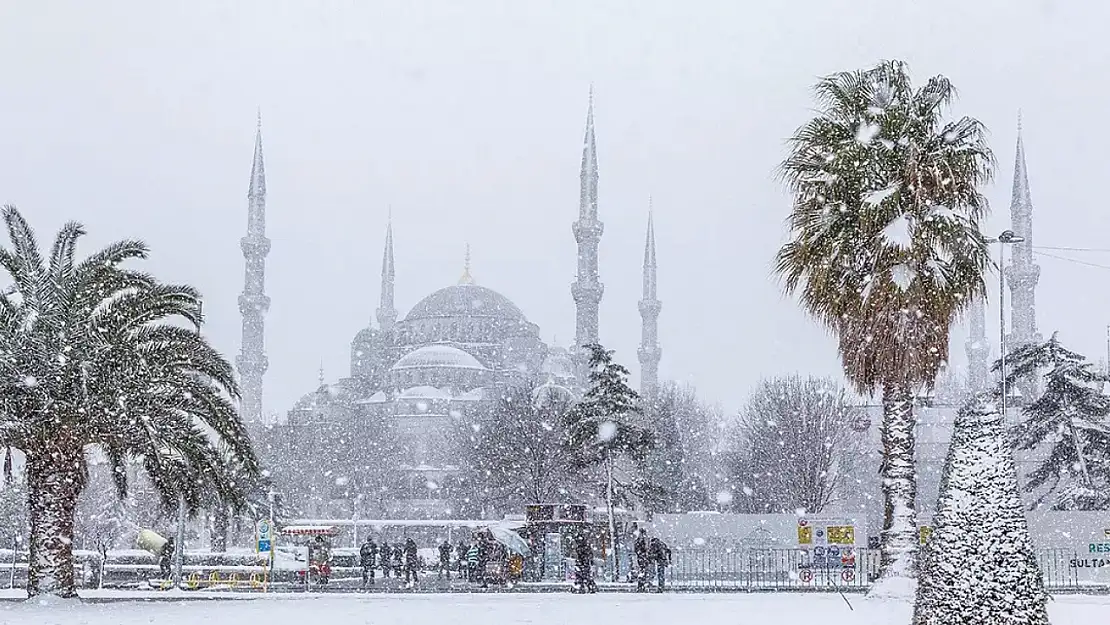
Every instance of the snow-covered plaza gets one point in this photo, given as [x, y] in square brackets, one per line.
[507, 609]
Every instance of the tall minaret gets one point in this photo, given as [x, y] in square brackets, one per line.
[387, 312]
[978, 350]
[253, 303]
[649, 351]
[587, 289]
[1022, 273]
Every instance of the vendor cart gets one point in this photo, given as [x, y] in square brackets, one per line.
[317, 541]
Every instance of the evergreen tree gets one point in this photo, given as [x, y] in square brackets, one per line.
[1071, 417]
[605, 427]
[979, 567]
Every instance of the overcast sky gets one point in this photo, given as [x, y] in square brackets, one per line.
[137, 118]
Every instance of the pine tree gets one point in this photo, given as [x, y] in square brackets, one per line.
[979, 567]
[606, 426]
[1071, 417]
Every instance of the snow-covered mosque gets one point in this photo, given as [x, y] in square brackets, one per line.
[455, 351]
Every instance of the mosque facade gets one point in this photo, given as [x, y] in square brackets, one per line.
[414, 379]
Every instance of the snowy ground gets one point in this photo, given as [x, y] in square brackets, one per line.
[510, 609]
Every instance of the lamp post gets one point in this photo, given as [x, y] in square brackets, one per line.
[1003, 239]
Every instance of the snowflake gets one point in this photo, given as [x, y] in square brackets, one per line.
[607, 431]
[30, 381]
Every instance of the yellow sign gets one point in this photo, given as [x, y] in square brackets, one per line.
[924, 532]
[805, 535]
[841, 534]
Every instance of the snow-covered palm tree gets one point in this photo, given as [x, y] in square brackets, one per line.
[885, 249]
[90, 356]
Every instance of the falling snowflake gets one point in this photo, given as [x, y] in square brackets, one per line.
[30, 381]
[724, 497]
[606, 431]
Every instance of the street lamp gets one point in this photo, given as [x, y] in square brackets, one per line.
[1006, 237]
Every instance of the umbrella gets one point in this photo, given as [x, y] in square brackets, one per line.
[510, 539]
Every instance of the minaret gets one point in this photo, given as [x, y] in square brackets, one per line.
[253, 303]
[649, 351]
[387, 312]
[587, 289]
[978, 350]
[1022, 274]
[466, 278]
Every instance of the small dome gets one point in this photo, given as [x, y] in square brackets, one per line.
[437, 356]
[465, 300]
[558, 363]
[425, 392]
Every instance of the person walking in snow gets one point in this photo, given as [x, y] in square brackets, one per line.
[411, 562]
[398, 559]
[445, 560]
[460, 559]
[661, 558]
[165, 560]
[583, 566]
[642, 549]
[385, 552]
[472, 562]
[367, 558]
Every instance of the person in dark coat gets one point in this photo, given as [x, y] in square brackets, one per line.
[411, 561]
[642, 549]
[583, 566]
[367, 558]
[483, 562]
[385, 552]
[460, 559]
[445, 560]
[398, 559]
[661, 558]
[472, 562]
[165, 560]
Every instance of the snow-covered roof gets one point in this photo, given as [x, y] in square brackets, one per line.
[437, 356]
[465, 300]
[558, 363]
[425, 392]
[477, 394]
[310, 530]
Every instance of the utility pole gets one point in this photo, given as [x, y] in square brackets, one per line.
[1007, 236]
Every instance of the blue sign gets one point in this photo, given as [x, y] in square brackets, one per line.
[263, 546]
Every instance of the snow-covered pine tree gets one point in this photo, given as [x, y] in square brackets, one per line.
[605, 426]
[979, 567]
[1071, 417]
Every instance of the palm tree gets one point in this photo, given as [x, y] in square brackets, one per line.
[90, 356]
[886, 251]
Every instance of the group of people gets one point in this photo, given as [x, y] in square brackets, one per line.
[469, 560]
[397, 560]
[653, 556]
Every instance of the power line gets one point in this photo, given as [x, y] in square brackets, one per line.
[1072, 249]
[1072, 260]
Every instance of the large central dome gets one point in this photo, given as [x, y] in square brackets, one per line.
[465, 300]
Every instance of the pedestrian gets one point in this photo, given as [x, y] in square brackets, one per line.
[385, 552]
[460, 559]
[583, 566]
[367, 557]
[482, 568]
[398, 559]
[445, 560]
[472, 562]
[411, 562]
[661, 557]
[165, 560]
[642, 550]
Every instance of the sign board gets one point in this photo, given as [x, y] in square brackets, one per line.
[923, 533]
[841, 534]
[805, 535]
[264, 535]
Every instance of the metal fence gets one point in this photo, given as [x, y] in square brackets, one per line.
[1064, 570]
[706, 569]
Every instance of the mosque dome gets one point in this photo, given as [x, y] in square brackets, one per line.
[465, 300]
[437, 356]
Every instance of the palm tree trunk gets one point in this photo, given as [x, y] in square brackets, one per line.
[53, 485]
[899, 485]
[219, 529]
[612, 518]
